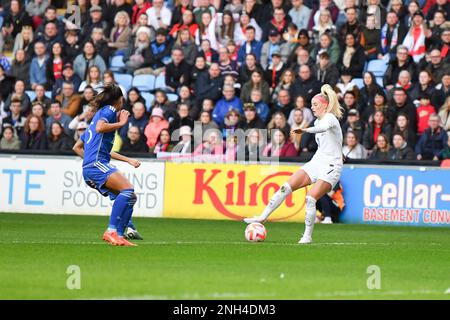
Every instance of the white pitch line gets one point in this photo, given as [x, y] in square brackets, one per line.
[147, 243]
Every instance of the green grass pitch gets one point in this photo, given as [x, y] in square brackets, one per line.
[198, 259]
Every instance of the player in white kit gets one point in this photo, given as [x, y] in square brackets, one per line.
[324, 169]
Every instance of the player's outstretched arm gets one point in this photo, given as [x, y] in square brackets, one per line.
[117, 156]
[78, 148]
[104, 127]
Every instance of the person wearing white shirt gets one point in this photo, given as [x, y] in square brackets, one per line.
[158, 15]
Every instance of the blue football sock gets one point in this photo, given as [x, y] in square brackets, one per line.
[127, 210]
[130, 223]
[118, 209]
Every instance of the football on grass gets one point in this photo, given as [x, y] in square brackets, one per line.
[255, 232]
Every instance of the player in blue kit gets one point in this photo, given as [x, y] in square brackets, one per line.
[94, 147]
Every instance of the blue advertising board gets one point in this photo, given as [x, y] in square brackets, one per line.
[409, 196]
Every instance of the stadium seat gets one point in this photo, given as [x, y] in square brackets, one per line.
[172, 97]
[359, 82]
[148, 99]
[124, 79]
[380, 81]
[117, 63]
[144, 82]
[31, 94]
[377, 67]
[160, 82]
[48, 94]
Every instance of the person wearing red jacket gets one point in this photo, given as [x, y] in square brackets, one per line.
[424, 111]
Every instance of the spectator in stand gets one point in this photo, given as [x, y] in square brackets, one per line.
[88, 58]
[300, 14]
[254, 145]
[37, 109]
[370, 38]
[157, 55]
[279, 121]
[93, 79]
[437, 66]
[306, 85]
[15, 118]
[401, 104]
[206, 121]
[230, 123]
[212, 144]
[251, 64]
[20, 70]
[250, 45]
[353, 124]
[68, 75]
[368, 91]
[301, 105]
[85, 117]
[352, 25]
[6, 84]
[432, 141]
[262, 109]
[115, 7]
[182, 118]
[69, 100]
[25, 41]
[186, 43]
[177, 72]
[352, 148]
[228, 102]
[120, 33]
[156, 123]
[326, 71]
[352, 57]
[140, 8]
[280, 146]
[415, 38]
[404, 81]
[400, 149]
[71, 45]
[50, 15]
[58, 140]
[392, 34]
[14, 20]
[133, 141]
[134, 56]
[41, 97]
[163, 143]
[286, 80]
[96, 20]
[323, 5]
[402, 127]
[19, 93]
[9, 140]
[327, 43]
[403, 61]
[33, 135]
[251, 118]
[425, 85]
[424, 111]
[381, 149]
[324, 25]
[138, 119]
[256, 82]
[38, 65]
[298, 122]
[100, 42]
[186, 145]
[206, 30]
[376, 127]
[55, 114]
[444, 115]
[274, 44]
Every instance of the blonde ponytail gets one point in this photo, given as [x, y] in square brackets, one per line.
[333, 103]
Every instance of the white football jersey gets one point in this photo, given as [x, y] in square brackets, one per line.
[329, 139]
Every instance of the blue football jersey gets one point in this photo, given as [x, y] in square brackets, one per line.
[97, 146]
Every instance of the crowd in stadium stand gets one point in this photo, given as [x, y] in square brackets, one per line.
[228, 65]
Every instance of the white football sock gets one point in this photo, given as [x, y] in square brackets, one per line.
[310, 216]
[276, 200]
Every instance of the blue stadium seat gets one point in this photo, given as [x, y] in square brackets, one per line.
[31, 94]
[160, 82]
[380, 81]
[144, 82]
[148, 99]
[377, 67]
[48, 94]
[359, 82]
[172, 97]
[124, 79]
[117, 63]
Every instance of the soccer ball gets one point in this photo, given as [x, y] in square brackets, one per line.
[255, 232]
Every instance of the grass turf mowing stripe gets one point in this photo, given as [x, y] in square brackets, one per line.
[199, 259]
